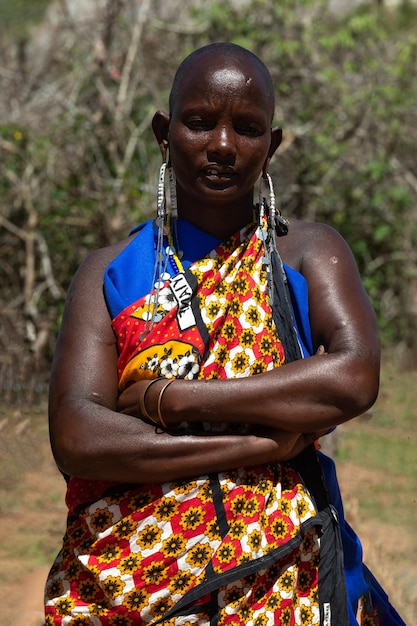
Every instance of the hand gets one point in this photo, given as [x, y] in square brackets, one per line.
[289, 445]
[128, 400]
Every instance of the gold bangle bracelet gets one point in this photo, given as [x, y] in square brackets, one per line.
[161, 393]
[142, 401]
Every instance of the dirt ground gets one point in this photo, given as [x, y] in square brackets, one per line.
[386, 550]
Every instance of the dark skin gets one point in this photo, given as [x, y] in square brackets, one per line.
[220, 140]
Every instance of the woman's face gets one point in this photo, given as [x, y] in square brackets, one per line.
[219, 137]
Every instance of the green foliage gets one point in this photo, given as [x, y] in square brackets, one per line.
[15, 16]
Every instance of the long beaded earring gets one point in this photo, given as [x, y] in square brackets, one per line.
[160, 259]
[271, 224]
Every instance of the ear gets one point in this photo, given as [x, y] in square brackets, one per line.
[160, 127]
[276, 138]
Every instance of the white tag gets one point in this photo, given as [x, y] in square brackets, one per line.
[183, 293]
[185, 317]
[181, 289]
[327, 614]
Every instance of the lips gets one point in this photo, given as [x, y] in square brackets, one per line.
[219, 175]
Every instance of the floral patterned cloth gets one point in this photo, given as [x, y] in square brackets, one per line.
[240, 547]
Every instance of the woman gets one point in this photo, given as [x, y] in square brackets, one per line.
[182, 410]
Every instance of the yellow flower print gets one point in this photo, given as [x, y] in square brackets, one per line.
[64, 606]
[136, 600]
[154, 573]
[226, 553]
[238, 530]
[285, 616]
[222, 355]
[149, 536]
[199, 555]
[273, 602]
[141, 500]
[264, 486]
[253, 315]
[235, 308]
[237, 504]
[110, 552]
[166, 509]
[120, 620]
[221, 289]
[101, 519]
[240, 362]
[247, 338]
[306, 615]
[205, 492]
[229, 331]
[255, 540]
[192, 518]
[180, 582]
[305, 578]
[212, 310]
[279, 528]
[130, 564]
[286, 582]
[208, 284]
[173, 546]
[87, 590]
[241, 285]
[161, 607]
[258, 368]
[303, 508]
[184, 487]
[82, 620]
[246, 614]
[113, 586]
[251, 507]
[310, 543]
[124, 529]
[265, 345]
[233, 596]
[55, 589]
[212, 530]
[98, 609]
[261, 620]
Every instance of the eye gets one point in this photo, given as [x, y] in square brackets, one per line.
[248, 130]
[198, 124]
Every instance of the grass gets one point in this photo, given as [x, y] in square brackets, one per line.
[377, 459]
[386, 440]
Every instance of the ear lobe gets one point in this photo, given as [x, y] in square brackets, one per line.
[276, 138]
[160, 127]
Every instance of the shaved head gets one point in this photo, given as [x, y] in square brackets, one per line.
[228, 56]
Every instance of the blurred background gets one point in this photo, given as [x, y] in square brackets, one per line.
[79, 83]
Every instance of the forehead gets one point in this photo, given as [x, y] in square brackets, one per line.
[213, 78]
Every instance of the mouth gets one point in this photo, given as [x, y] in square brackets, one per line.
[218, 176]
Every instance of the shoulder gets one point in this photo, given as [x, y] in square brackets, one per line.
[309, 242]
[89, 276]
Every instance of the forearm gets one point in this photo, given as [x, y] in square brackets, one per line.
[316, 393]
[90, 441]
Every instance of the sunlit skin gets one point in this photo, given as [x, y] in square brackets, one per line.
[219, 139]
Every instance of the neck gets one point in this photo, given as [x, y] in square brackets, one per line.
[219, 221]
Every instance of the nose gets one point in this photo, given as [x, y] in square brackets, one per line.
[222, 145]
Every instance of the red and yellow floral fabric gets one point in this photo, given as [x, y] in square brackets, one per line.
[235, 548]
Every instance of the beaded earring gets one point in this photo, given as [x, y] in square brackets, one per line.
[271, 224]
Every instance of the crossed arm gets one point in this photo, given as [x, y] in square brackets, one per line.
[97, 434]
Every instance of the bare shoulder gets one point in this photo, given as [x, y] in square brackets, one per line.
[308, 241]
[90, 273]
